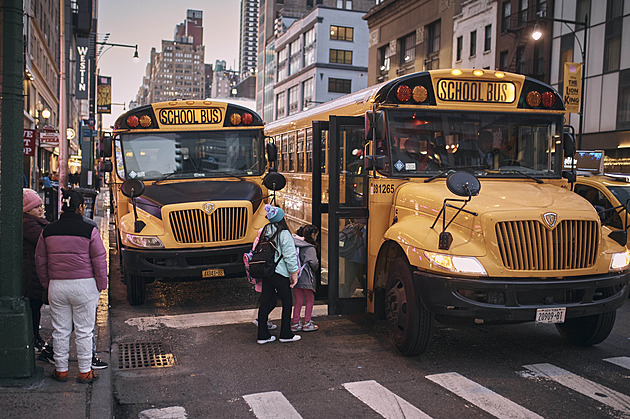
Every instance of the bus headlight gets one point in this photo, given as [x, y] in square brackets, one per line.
[144, 241]
[620, 261]
[457, 264]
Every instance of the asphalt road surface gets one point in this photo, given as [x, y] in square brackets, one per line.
[190, 351]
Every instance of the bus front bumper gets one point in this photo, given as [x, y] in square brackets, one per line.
[506, 300]
[185, 263]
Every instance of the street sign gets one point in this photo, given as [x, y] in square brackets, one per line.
[49, 139]
[29, 142]
[572, 87]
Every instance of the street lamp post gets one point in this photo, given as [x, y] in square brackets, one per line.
[536, 35]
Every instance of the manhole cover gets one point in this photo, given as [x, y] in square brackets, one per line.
[144, 355]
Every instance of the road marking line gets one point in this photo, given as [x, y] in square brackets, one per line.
[383, 401]
[586, 387]
[271, 404]
[481, 397]
[622, 361]
[186, 321]
[173, 412]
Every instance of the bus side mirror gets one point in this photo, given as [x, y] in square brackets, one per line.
[569, 175]
[568, 145]
[272, 152]
[106, 147]
[105, 166]
[374, 120]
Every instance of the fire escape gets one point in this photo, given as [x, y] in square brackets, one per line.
[526, 56]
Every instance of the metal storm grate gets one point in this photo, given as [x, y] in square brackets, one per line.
[196, 226]
[529, 245]
[144, 355]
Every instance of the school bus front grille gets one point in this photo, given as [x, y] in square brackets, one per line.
[529, 245]
[196, 226]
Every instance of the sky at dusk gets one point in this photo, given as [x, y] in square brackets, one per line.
[147, 23]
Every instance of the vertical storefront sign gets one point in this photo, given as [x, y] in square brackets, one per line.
[29, 142]
[104, 95]
[572, 86]
[82, 70]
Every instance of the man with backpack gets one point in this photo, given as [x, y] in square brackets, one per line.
[275, 261]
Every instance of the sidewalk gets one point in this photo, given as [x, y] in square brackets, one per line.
[44, 397]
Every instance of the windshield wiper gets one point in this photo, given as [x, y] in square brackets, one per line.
[166, 176]
[527, 175]
[448, 171]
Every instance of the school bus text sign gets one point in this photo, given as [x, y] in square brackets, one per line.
[572, 87]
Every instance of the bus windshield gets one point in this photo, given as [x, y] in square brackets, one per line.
[423, 143]
[190, 154]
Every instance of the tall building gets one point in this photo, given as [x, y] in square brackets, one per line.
[475, 35]
[274, 18]
[178, 71]
[248, 38]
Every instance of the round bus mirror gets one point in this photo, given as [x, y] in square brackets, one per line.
[132, 188]
[274, 181]
[463, 184]
[568, 145]
[272, 152]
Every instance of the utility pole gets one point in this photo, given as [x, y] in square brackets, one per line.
[17, 359]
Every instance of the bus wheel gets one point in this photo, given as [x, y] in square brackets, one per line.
[135, 289]
[410, 323]
[589, 330]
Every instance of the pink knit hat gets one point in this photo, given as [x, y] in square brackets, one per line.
[30, 199]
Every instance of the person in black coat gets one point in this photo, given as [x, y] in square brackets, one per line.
[33, 222]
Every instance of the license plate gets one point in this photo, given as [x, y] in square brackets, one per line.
[551, 315]
[211, 273]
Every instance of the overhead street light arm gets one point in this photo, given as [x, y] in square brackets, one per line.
[135, 54]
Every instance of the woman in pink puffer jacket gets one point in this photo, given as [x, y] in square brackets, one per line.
[71, 263]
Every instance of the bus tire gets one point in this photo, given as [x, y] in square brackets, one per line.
[410, 323]
[589, 330]
[135, 289]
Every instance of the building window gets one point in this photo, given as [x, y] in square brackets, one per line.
[309, 47]
[383, 62]
[623, 104]
[340, 56]
[473, 43]
[282, 65]
[307, 93]
[503, 60]
[506, 11]
[458, 51]
[487, 39]
[520, 60]
[433, 38]
[612, 42]
[522, 15]
[294, 100]
[339, 85]
[280, 105]
[341, 33]
[295, 56]
[408, 49]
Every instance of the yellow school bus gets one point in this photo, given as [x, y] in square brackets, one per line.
[441, 196]
[188, 190]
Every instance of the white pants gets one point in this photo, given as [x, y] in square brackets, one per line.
[73, 302]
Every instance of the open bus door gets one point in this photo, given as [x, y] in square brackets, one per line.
[320, 138]
[347, 217]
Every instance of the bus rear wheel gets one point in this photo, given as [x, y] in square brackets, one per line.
[589, 330]
[410, 323]
[135, 289]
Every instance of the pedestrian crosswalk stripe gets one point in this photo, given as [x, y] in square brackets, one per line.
[622, 361]
[586, 387]
[481, 397]
[383, 401]
[271, 404]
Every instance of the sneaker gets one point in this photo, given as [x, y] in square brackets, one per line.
[97, 364]
[296, 327]
[60, 376]
[295, 338]
[270, 325]
[263, 341]
[39, 345]
[46, 355]
[87, 377]
[310, 327]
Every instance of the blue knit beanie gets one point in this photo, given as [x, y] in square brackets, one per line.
[274, 214]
